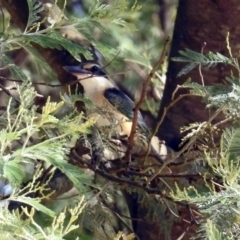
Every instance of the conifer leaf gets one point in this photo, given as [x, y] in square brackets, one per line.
[6, 138]
[73, 48]
[40, 62]
[94, 23]
[194, 59]
[136, 58]
[35, 7]
[114, 12]
[43, 40]
[188, 68]
[16, 71]
[36, 204]
[212, 232]
[54, 152]
[108, 52]
[13, 172]
[75, 174]
[55, 40]
[230, 141]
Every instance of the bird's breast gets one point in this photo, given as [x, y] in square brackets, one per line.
[117, 123]
[108, 115]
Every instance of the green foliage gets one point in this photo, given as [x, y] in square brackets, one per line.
[43, 141]
[114, 13]
[195, 59]
[224, 96]
[49, 37]
[51, 148]
[35, 8]
[134, 54]
[230, 141]
[14, 225]
[28, 138]
[212, 231]
[33, 143]
[217, 199]
[55, 40]
[16, 72]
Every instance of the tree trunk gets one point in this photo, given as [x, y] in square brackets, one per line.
[197, 22]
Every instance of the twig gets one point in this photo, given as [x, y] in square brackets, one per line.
[173, 213]
[160, 78]
[9, 88]
[9, 93]
[124, 216]
[124, 181]
[142, 98]
[185, 232]
[115, 57]
[223, 121]
[57, 85]
[202, 125]
[5, 90]
[162, 118]
[139, 71]
[192, 217]
[162, 175]
[200, 66]
[37, 83]
[118, 215]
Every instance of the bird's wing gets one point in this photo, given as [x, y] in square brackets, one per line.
[123, 104]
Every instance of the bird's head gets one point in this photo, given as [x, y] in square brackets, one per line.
[86, 70]
[91, 76]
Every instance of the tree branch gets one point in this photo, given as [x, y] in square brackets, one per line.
[142, 98]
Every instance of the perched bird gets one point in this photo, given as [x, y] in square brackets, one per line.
[114, 108]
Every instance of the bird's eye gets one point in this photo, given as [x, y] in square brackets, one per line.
[94, 69]
[97, 70]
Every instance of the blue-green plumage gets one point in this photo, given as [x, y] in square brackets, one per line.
[108, 99]
[123, 104]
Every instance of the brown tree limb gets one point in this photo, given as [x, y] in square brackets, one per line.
[142, 98]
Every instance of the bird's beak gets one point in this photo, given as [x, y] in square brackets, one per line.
[78, 71]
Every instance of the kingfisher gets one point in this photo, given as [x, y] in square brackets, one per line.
[113, 107]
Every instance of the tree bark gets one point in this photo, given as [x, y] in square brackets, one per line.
[197, 22]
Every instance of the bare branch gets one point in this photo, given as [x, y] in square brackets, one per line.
[142, 98]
